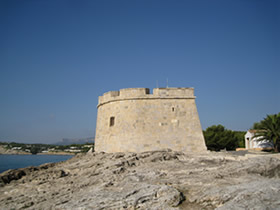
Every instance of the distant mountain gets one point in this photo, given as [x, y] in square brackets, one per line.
[67, 141]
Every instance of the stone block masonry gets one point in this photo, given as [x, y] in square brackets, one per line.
[133, 120]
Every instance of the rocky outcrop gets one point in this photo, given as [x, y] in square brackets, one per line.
[149, 180]
[15, 174]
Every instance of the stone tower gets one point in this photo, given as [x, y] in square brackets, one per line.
[133, 120]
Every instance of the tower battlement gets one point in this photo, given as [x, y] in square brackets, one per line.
[144, 93]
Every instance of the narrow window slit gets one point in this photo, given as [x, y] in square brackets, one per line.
[112, 121]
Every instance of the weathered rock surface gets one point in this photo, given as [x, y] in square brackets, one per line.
[149, 180]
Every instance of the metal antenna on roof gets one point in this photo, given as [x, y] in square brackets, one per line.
[167, 82]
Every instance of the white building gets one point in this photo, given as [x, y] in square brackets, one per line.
[252, 142]
[16, 148]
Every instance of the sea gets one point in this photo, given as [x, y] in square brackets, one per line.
[21, 161]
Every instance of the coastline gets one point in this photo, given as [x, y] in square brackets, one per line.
[56, 153]
[20, 162]
[4, 151]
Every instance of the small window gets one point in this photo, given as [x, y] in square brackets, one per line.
[112, 121]
[173, 109]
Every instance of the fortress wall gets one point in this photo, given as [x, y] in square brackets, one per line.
[150, 123]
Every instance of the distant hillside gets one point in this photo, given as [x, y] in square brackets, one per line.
[67, 141]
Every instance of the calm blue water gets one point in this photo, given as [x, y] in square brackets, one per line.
[21, 161]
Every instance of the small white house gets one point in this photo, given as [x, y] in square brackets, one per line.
[252, 142]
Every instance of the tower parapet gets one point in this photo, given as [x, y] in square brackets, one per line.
[134, 92]
[174, 92]
[144, 93]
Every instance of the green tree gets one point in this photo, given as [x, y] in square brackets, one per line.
[269, 129]
[217, 138]
[241, 139]
[35, 149]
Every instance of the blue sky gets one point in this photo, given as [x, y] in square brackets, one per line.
[57, 57]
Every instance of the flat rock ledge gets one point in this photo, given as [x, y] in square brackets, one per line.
[149, 180]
